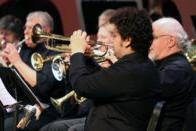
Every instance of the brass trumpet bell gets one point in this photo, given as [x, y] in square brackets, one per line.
[37, 61]
[40, 36]
[58, 103]
[37, 31]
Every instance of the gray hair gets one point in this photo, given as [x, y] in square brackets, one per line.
[107, 14]
[172, 27]
[45, 18]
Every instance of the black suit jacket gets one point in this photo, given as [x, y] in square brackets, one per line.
[177, 84]
[123, 94]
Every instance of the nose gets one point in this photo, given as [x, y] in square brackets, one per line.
[25, 31]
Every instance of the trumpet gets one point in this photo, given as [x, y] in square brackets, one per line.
[58, 103]
[59, 66]
[58, 42]
[38, 61]
[17, 45]
[55, 42]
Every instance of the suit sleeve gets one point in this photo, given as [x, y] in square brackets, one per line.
[105, 83]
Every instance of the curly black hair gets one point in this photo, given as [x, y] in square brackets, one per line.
[134, 24]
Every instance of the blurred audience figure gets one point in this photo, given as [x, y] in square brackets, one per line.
[105, 36]
[164, 8]
[105, 16]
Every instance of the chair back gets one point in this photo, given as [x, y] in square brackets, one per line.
[155, 116]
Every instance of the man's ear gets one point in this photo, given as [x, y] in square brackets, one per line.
[172, 42]
[127, 42]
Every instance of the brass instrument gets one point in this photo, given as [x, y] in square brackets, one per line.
[58, 103]
[39, 34]
[38, 61]
[57, 44]
[19, 44]
[59, 67]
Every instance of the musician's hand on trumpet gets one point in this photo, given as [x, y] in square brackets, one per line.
[10, 54]
[79, 42]
[110, 56]
[3, 60]
[110, 59]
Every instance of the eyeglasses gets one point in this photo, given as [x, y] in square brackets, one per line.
[157, 37]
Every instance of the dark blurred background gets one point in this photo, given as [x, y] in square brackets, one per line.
[70, 15]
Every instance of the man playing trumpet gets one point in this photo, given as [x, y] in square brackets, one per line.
[119, 91]
[42, 83]
[77, 123]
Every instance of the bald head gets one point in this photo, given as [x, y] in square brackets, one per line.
[170, 26]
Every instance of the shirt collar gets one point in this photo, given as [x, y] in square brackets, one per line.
[169, 59]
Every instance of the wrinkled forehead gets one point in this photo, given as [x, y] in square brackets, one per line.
[157, 30]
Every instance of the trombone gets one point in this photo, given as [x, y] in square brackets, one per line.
[58, 103]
